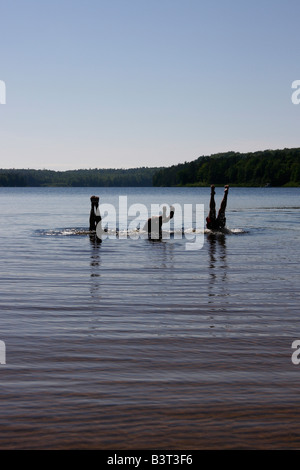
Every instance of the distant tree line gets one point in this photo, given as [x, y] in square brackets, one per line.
[268, 167]
[78, 178]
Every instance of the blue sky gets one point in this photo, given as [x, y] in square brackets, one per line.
[130, 83]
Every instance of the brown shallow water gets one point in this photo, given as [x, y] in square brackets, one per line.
[181, 394]
[137, 345]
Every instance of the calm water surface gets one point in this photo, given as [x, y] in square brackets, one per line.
[130, 344]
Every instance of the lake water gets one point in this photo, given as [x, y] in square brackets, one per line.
[133, 344]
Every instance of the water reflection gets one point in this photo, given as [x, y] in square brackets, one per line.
[161, 254]
[95, 264]
[217, 265]
[95, 284]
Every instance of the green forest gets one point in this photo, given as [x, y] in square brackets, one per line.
[78, 178]
[263, 168]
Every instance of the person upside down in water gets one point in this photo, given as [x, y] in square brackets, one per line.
[212, 222]
[95, 216]
[154, 224]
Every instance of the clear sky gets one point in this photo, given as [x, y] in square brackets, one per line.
[130, 83]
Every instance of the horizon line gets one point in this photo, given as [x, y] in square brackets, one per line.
[152, 167]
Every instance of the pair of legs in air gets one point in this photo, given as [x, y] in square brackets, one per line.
[154, 224]
[95, 216]
[214, 222]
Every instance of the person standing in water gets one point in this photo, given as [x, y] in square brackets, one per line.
[212, 222]
[154, 224]
[95, 216]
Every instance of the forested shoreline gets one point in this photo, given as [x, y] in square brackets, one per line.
[262, 168]
[135, 177]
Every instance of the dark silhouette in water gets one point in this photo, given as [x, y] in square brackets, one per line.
[212, 222]
[154, 224]
[95, 216]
